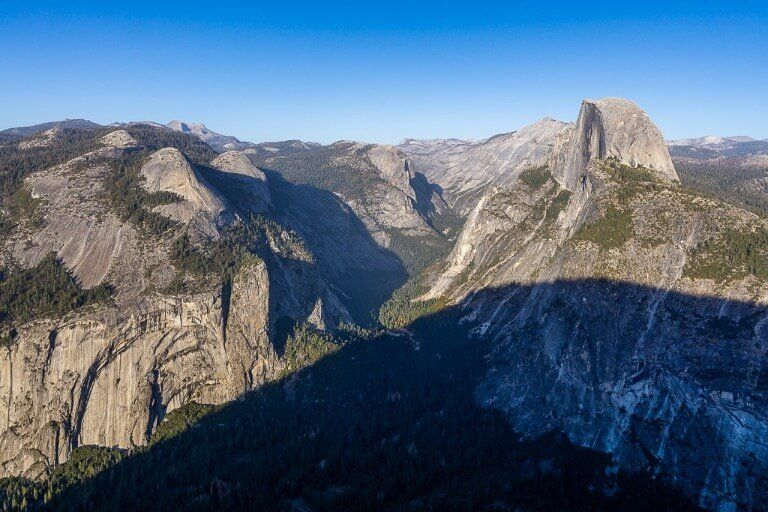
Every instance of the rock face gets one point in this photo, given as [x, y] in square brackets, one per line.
[394, 202]
[76, 225]
[99, 377]
[42, 139]
[611, 127]
[119, 139]
[394, 167]
[168, 170]
[622, 309]
[606, 320]
[612, 339]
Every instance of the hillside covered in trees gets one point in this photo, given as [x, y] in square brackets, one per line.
[727, 180]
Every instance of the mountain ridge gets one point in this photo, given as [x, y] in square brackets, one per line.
[607, 300]
[26, 131]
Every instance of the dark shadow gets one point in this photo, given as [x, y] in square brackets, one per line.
[283, 328]
[395, 422]
[433, 207]
[363, 274]
[426, 194]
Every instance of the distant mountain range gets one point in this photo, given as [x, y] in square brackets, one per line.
[706, 147]
[713, 147]
[216, 140]
[732, 168]
[26, 131]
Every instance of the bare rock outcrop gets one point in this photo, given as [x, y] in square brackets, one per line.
[611, 127]
[465, 169]
[71, 221]
[99, 377]
[168, 170]
[603, 328]
[119, 139]
[108, 373]
[41, 140]
[608, 318]
[215, 140]
[394, 167]
[378, 182]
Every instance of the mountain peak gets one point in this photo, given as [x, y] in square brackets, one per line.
[217, 141]
[194, 128]
[170, 170]
[610, 127]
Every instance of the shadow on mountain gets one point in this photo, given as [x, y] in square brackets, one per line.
[424, 194]
[364, 274]
[392, 422]
[363, 271]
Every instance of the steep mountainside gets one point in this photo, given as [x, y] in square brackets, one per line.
[465, 169]
[363, 214]
[626, 310]
[253, 190]
[384, 422]
[398, 207]
[609, 128]
[202, 291]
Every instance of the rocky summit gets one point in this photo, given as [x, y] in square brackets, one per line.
[567, 316]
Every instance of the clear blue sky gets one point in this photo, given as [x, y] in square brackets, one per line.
[321, 71]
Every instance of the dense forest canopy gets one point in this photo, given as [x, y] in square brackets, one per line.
[744, 186]
[47, 289]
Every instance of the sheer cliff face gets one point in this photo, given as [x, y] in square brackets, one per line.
[108, 377]
[611, 127]
[624, 309]
[390, 203]
[608, 328]
[107, 374]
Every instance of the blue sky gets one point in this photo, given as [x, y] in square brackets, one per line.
[382, 72]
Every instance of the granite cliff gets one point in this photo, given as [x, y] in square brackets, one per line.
[627, 311]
